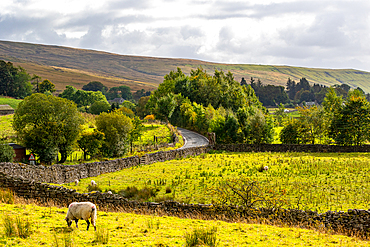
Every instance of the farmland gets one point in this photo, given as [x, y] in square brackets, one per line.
[124, 229]
[309, 181]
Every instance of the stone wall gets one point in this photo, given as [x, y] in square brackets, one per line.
[317, 148]
[60, 174]
[351, 222]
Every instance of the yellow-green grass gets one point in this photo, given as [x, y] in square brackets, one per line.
[6, 125]
[150, 130]
[10, 101]
[127, 229]
[310, 181]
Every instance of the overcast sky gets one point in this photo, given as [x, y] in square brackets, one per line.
[314, 33]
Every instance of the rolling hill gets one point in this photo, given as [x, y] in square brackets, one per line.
[69, 66]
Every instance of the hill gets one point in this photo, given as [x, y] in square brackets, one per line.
[69, 66]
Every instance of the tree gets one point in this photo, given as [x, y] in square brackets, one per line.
[315, 120]
[136, 131]
[99, 106]
[90, 142]
[166, 106]
[46, 125]
[294, 132]
[351, 123]
[14, 81]
[35, 80]
[116, 128]
[95, 86]
[6, 152]
[46, 86]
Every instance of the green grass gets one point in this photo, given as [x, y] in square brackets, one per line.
[314, 181]
[124, 229]
[6, 125]
[10, 101]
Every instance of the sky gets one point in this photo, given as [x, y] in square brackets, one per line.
[313, 33]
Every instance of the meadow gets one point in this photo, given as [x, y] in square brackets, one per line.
[308, 181]
[48, 228]
[10, 101]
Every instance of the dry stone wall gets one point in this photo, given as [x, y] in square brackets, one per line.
[60, 174]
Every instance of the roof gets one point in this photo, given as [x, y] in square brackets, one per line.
[15, 146]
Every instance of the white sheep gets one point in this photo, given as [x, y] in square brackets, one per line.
[265, 168]
[93, 183]
[109, 192]
[81, 211]
[76, 182]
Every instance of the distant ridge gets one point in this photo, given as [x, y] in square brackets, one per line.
[70, 66]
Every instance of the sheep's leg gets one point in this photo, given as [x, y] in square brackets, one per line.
[88, 224]
[76, 220]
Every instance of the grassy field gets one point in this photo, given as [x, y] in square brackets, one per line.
[310, 181]
[76, 67]
[10, 101]
[48, 228]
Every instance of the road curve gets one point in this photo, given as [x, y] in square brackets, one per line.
[192, 139]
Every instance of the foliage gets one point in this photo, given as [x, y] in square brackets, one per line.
[95, 86]
[269, 95]
[134, 193]
[141, 109]
[99, 106]
[316, 123]
[83, 98]
[116, 128]
[6, 152]
[90, 142]
[46, 86]
[136, 131]
[206, 103]
[47, 124]
[14, 81]
[119, 92]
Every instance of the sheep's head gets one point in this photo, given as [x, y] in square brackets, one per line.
[69, 222]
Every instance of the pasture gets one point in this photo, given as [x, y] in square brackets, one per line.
[48, 228]
[308, 181]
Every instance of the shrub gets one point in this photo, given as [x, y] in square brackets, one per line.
[6, 152]
[6, 196]
[17, 226]
[9, 226]
[201, 237]
[91, 188]
[134, 193]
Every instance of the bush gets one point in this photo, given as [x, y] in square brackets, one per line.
[6, 196]
[201, 237]
[93, 188]
[136, 194]
[6, 152]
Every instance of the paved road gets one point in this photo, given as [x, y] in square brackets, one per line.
[192, 139]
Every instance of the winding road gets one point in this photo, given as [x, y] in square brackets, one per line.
[192, 139]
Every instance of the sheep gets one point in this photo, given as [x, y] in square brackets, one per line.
[109, 192]
[76, 182]
[265, 168]
[93, 183]
[81, 211]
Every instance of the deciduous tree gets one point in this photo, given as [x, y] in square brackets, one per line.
[46, 125]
